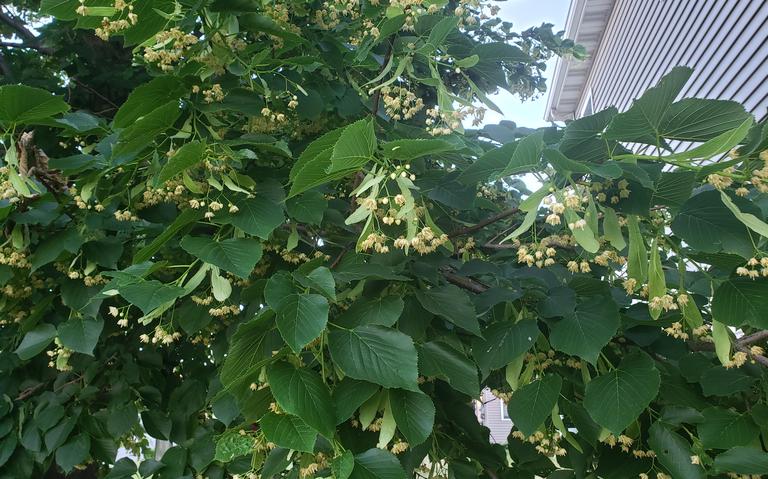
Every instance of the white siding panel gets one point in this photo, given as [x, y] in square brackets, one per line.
[724, 41]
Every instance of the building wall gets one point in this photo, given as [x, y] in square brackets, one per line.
[724, 41]
[491, 412]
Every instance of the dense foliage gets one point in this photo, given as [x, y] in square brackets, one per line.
[260, 231]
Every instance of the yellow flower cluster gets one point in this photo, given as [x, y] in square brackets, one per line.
[125, 215]
[424, 242]
[169, 48]
[15, 259]
[334, 11]
[665, 302]
[751, 268]
[602, 196]
[223, 311]
[109, 27]
[171, 192]
[400, 103]
[547, 445]
[213, 94]
[676, 331]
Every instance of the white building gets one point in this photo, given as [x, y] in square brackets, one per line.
[633, 43]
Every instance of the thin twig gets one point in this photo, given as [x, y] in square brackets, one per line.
[482, 224]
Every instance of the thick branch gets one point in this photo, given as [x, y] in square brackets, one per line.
[753, 338]
[31, 40]
[464, 282]
[484, 223]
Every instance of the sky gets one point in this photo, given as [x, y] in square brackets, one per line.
[524, 14]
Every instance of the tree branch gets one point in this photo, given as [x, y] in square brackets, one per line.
[464, 282]
[31, 40]
[484, 223]
[753, 338]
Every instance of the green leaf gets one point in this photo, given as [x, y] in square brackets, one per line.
[580, 139]
[724, 428]
[504, 341]
[750, 221]
[440, 32]
[526, 155]
[307, 208]
[407, 150]
[354, 147]
[189, 155]
[740, 300]
[533, 403]
[288, 431]
[702, 119]
[612, 229]
[146, 97]
[451, 303]
[236, 255]
[301, 392]
[531, 206]
[319, 279]
[50, 249]
[414, 414]
[35, 341]
[490, 164]
[587, 330]
[567, 166]
[673, 452]
[143, 131]
[657, 285]
[718, 145]
[722, 341]
[73, 453]
[440, 360]
[349, 395]
[232, 444]
[642, 122]
[377, 464]
[742, 460]
[719, 381]
[637, 264]
[706, 224]
[673, 188]
[376, 354]
[246, 353]
[257, 216]
[381, 310]
[20, 104]
[301, 318]
[183, 219]
[584, 236]
[616, 398]
[342, 465]
[320, 145]
[80, 334]
[148, 295]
